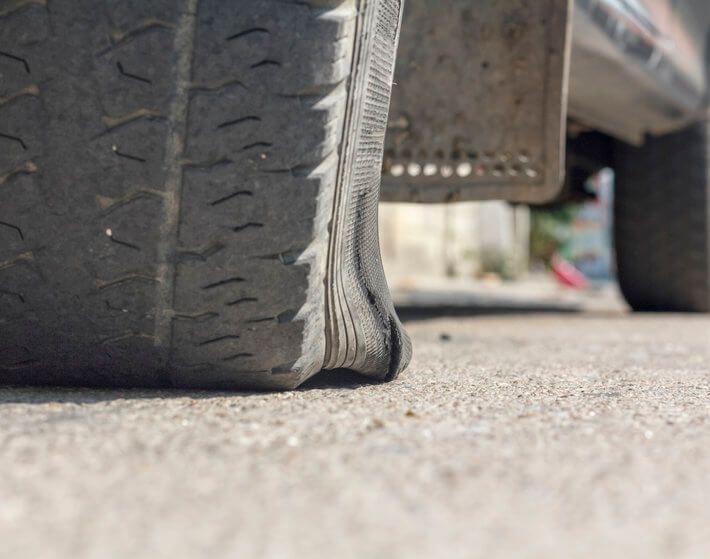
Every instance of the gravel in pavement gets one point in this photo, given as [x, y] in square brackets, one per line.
[527, 435]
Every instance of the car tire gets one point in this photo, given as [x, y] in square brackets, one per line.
[188, 192]
[662, 221]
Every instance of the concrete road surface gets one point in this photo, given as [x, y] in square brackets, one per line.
[512, 435]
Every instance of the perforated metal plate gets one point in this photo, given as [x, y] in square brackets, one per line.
[478, 106]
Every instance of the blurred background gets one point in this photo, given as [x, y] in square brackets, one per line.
[503, 255]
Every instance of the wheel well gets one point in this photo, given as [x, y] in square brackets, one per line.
[588, 151]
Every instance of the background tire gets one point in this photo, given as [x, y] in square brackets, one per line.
[662, 221]
[170, 174]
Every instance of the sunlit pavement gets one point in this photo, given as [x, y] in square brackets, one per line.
[520, 432]
[537, 292]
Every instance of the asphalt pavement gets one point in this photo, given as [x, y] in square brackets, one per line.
[526, 433]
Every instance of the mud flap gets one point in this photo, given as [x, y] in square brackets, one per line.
[479, 102]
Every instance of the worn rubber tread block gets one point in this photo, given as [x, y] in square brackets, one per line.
[168, 180]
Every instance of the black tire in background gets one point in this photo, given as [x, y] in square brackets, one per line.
[186, 191]
[662, 221]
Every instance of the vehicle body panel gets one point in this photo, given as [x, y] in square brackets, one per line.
[638, 67]
[465, 93]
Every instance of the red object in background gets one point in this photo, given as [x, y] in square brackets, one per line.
[567, 274]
